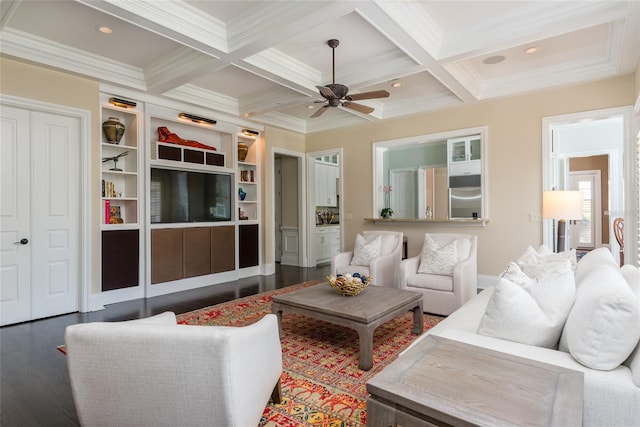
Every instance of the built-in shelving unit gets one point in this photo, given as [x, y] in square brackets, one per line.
[172, 217]
[247, 180]
[120, 197]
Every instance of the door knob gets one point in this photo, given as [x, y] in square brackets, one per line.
[23, 241]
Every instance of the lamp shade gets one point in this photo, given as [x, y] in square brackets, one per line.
[562, 204]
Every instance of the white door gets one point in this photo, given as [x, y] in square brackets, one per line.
[40, 215]
[587, 234]
[403, 199]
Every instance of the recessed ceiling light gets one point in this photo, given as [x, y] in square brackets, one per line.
[396, 84]
[310, 107]
[494, 59]
[532, 49]
[104, 30]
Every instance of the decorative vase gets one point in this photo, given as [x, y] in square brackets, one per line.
[113, 130]
[243, 149]
[242, 193]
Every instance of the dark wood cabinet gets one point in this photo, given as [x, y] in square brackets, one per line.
[248, 245]
[223, 249]
[197, 251]
[180, 253]
[166, 255]
[120, 259]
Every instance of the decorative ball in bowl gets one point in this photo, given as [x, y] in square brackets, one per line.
[349, 284]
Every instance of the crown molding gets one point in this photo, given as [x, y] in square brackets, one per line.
[178, 68]
[283, 121]
[268, 23]
[287, 68]
[569, 73]
[416, 22]
[42, 51]
[269, 100]
[424, 104]
[197, 96]
[467, 75]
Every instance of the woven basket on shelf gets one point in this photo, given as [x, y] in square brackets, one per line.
[348, 285]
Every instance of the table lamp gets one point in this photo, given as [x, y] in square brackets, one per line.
[562, 205]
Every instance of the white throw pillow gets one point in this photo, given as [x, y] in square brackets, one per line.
[514, 274]
[532, 314]
[592, 260]
[438, 260]
[535, 263]
[631, 274]
[603, 327]
[365, 251]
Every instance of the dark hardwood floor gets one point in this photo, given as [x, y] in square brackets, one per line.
[35, 388]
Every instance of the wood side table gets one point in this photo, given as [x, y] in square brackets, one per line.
[440, 382]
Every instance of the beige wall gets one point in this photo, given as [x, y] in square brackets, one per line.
[37, 83]
[514, 163]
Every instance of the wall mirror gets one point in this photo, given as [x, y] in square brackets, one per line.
[434, 177]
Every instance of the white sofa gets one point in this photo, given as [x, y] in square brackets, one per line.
[611, 397]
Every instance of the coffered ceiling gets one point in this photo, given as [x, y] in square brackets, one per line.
[262, 60]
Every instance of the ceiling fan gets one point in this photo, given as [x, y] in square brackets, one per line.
[335, 94]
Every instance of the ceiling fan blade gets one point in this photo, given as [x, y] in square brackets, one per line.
[368, 95]
[320, 111]
[358, 107]
[326, 92]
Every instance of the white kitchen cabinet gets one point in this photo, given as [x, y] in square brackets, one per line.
[464, 156]
[327, 242]
[326, 184]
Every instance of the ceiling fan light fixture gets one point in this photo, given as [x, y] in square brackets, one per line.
[337, 95]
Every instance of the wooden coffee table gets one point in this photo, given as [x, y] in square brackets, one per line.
[364, 313]
[440, 382]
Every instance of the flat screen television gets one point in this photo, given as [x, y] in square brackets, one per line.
[185, 196]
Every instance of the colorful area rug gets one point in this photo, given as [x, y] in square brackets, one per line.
[321, 383]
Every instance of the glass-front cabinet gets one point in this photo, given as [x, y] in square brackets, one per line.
[464, 155]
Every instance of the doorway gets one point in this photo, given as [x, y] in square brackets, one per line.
[325, 206]
[589, 234]
[582, 135]
[288, 211]
[42, 209]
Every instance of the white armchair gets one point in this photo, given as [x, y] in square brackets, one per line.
[443, 293]
[384, 268]
[154, 372]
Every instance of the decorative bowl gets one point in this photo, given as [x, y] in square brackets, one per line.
[349, 284]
